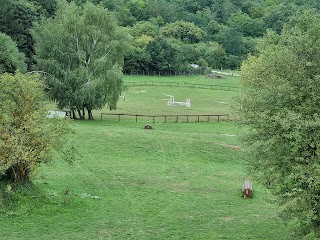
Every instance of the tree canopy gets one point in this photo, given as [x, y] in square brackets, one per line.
[184, 31]
[81, 49]
[16, 20]
[280, 101]
[236, 25]
[10, 57]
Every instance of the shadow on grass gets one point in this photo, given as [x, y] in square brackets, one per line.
[28, 198]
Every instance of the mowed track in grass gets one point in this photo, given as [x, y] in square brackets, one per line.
[178, 181]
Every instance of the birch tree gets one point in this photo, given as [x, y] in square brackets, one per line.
[81, 49]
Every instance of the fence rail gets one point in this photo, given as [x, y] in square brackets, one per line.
[190, 85]
[174, 118]
[184, 72]
[144, 83]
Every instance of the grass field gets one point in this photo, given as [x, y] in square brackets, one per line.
[150, 99]
[178, 181]
[225, 81]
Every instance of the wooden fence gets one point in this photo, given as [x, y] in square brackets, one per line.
[190, 85]
[171, 118]
[184, 72]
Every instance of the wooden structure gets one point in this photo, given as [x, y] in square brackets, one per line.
[189, 85]
[187, 118]
[247, 189]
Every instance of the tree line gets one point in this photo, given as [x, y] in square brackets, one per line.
[168, 34]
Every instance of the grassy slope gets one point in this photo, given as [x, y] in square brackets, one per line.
[178, 181]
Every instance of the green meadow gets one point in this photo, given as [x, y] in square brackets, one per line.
[178, 181]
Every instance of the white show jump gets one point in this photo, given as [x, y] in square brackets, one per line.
[172, 102]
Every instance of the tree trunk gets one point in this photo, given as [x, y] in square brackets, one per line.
[73, 115]
[18, 173]
[90, 116]
[80, 114]
[83, 113]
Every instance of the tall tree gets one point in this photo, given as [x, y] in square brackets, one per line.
[232, 41]
[280, 101]
[278, 15]
[16, 20]
[162, 54]
[163, 9]
[222, 9]
[82, 50]
[243, 23]
[144, 28]
[184, 31]
[27, 136]
[48, 7]
[10, 57]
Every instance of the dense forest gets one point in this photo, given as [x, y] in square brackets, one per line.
[166, 35]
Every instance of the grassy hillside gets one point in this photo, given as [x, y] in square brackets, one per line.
[178, 181]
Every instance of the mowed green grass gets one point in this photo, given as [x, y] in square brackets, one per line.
[178, 181]
[153, 100]
[199, 79]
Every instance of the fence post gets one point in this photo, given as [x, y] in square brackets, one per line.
[136, 118]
